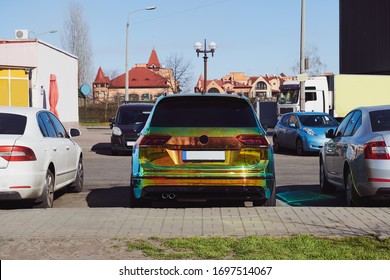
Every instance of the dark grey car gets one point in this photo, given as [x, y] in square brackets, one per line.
[126, 125]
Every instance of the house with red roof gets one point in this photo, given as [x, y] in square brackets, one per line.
[264, 87]
[146, 82]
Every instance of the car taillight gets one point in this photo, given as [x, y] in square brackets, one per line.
[253, 140]
[154, 140]
[376, 150]
[17, 153]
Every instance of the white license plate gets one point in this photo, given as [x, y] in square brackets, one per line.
[204, 155]
[130, 143]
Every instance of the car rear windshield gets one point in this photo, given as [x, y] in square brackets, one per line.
[12, 124]
[203, 111]
[380, 120]
[132, 116]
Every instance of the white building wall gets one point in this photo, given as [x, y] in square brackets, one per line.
[18, 54]
[43, 60]
[65, 67]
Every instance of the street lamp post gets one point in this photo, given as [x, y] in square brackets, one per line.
[127, 48]
[198, 49]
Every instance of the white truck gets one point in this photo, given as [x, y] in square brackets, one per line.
[335, 94]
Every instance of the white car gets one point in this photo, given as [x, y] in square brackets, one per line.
[37, 156]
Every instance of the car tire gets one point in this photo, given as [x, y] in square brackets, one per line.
[46, 199]
[299, 147]
[352, 197]
[78, 184]
[276, 144]
[325, 186]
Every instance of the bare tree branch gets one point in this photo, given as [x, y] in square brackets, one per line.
[316, 66]
[182, 72]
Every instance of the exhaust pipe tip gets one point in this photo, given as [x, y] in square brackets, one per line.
[171, 196]
[164, 196]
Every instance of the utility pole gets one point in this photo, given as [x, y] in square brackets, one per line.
[302, 58]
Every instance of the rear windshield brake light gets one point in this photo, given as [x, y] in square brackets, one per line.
[376, 150]
[17, 153]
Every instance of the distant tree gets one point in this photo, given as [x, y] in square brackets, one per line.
[316, 66]
[182, 72]
[76, 40]
[113, 74]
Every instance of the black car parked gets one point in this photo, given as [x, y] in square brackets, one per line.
[127, 124]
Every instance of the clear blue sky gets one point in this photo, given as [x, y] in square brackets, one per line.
[257, 37]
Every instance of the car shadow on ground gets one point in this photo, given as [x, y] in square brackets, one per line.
[9, 205]
[309, 195]
[105, 149]
[109, 197]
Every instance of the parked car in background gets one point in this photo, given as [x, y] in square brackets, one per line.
[37, 156]
[302, 131]
[357, 156]
[203, 147]
[127, 124]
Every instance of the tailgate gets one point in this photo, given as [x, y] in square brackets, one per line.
[205, 150]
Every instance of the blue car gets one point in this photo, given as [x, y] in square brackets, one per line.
[302, 131]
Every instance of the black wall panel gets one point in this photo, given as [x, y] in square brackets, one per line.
[365, 37]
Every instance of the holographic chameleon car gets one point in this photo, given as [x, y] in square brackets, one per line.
[203, 146]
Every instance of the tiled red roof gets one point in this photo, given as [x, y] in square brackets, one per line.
[253, 79]
[153, 60]
[100, 78]
[270, 78]
[140, 77]
[218, 82]
[240, 85]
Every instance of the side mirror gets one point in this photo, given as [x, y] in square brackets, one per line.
[292, 125]
[74, 132]
[329, 133]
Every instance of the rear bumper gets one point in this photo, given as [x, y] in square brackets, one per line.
[209, 193]
[207, 188]
[372, 179]
[383, 194]
[11, 195]
[17, 185]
